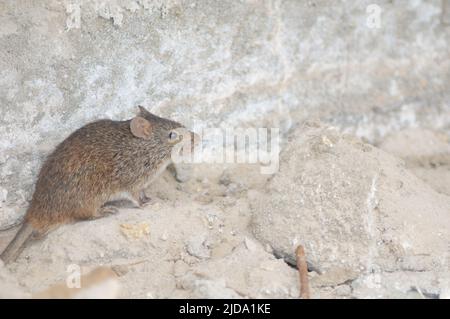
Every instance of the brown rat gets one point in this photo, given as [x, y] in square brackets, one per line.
[102, 161]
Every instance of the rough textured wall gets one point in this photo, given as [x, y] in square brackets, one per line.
[217, 63]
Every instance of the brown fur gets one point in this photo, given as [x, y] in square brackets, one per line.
[89, 167]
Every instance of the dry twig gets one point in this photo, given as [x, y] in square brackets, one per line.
[303, 272]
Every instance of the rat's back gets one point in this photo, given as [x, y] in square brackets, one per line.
[78, 174]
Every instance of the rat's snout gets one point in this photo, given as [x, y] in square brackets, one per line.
[188, 143]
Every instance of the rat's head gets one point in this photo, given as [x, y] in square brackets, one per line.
[159, 133]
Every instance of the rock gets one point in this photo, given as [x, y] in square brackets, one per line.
[197, 246]
[351, 206]
[225, 179]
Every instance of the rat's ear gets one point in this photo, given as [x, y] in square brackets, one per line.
[141, 128]
[143, 111]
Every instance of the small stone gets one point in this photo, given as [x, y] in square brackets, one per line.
[164, 236]
[225, 179]
[250, 244]
[196, 247]
[135, 231]
[3, 194]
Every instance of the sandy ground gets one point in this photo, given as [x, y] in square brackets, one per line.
[208, 237]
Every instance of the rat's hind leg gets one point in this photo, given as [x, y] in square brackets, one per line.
[137, 199]
[105, 210]
[123, 200]
[95, 213]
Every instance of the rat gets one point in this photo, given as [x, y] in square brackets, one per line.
[101, 162]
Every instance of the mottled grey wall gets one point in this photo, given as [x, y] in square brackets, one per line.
[218, 63]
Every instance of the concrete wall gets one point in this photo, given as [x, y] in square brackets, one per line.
[217, 63]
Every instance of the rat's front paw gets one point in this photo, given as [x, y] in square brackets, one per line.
[144, 200]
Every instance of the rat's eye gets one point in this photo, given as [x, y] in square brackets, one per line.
[173, 136]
